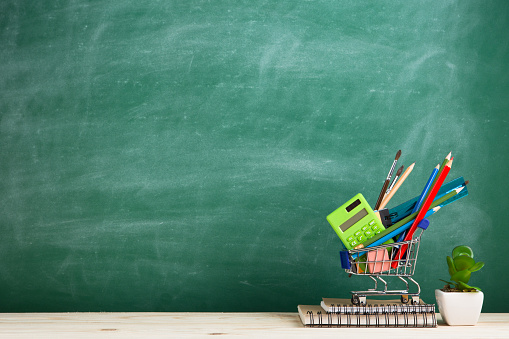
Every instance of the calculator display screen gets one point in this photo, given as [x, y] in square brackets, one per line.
[350, 222]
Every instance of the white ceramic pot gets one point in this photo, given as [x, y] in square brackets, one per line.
[459, 308]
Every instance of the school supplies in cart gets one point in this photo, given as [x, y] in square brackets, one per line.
[374, 252]
[376, 262]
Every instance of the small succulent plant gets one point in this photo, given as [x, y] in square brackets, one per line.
[461, 265]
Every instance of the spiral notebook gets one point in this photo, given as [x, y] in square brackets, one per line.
[336, 305]
[369, 316]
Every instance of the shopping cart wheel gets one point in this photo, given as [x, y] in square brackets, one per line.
[406, 298]
[358, 301]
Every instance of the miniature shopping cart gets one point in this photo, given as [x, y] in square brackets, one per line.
[378, 261]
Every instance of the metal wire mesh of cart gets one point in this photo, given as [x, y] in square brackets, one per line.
[378, 260]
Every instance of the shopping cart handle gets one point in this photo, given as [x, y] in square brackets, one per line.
[424, 223]
[345, 263]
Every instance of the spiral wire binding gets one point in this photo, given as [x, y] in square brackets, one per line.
[393, 315]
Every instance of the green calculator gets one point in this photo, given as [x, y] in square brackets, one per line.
[355, 222]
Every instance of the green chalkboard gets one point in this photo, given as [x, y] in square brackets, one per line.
[183, 155]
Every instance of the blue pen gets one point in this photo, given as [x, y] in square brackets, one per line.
[422, 196]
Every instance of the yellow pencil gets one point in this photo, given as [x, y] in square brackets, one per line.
[397, 186]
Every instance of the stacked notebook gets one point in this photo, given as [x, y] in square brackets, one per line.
[377, 313]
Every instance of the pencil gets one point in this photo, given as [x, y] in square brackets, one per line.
[423, 211]
[387, 181]
[430, 198]
[424, 193]
[447, 158]
[401, 180]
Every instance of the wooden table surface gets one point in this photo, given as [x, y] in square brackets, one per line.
[205, 325]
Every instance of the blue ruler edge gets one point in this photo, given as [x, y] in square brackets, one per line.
[402, 211]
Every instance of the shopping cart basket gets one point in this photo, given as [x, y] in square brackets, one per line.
[377, 262]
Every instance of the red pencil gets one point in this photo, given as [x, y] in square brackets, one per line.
[422, 212]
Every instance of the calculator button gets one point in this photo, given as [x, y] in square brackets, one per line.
[378, 231]
[353, 243]
[357, 233]
[369, 234]
[372, 222]
[361, 238]
[350, 238]
[375, 227]
[364, 228]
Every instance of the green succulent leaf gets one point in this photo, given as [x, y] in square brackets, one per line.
[477, 266]
[463, 286]
[462, 250]
[461, 265]
[461, 276]
[463, 262]
[450, 264]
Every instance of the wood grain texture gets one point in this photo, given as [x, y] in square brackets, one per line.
[206, 325]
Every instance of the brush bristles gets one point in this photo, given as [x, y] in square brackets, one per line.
[398, 173]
